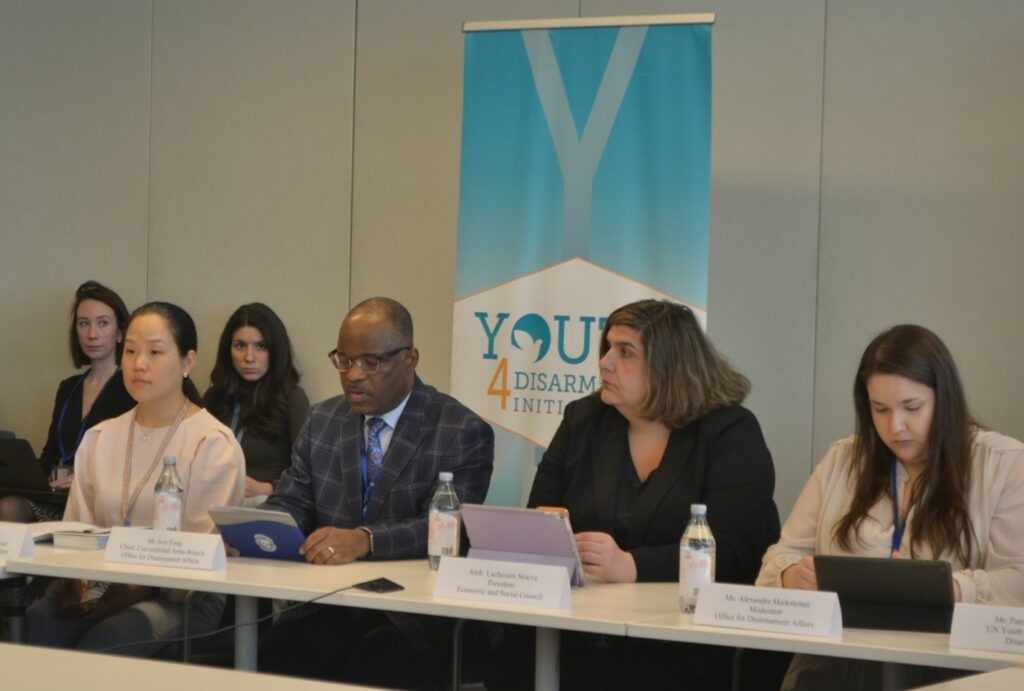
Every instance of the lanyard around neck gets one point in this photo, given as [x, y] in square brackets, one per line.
[898, 526]
[64, 456]
[128, 503]
[235, 415]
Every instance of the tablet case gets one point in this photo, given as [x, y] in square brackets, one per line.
[258, 532]
[533, 536]
[893, 594]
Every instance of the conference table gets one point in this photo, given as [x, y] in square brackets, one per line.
[645, 610]
[892, 648]
[1006, 679]
[604, 608]
[30, 668]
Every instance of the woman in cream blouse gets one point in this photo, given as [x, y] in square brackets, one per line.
[920, 479]
[116, 470]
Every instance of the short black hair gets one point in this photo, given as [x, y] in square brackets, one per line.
[395, 311]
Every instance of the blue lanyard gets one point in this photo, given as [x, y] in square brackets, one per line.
[234, 422]
[369, 479]
[64, 455]
[897, 526]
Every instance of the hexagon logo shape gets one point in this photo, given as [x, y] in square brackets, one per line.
[524, 349]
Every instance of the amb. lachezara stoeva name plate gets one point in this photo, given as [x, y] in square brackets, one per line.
[503, 582]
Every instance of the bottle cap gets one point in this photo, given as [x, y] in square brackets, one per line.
[698, 509]
[445, 476]
[170, 460]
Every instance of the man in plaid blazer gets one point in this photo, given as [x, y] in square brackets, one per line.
[349, 508]
[353, 507]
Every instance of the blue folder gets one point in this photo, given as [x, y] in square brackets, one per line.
[258, 532]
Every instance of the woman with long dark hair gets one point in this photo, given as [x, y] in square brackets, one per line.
[919, 479]
[116, 470]
[96, 339]
[254, 389]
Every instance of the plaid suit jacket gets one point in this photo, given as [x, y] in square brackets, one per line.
[323, 486]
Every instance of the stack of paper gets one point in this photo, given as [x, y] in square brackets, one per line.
[92, 538]
[44, 530]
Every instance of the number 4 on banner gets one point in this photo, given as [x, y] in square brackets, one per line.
[502, 372]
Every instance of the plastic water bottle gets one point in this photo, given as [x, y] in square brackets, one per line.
[443, 531]
[696, 558]
[169, 496]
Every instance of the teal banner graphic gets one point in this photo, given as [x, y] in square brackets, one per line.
[585, 185]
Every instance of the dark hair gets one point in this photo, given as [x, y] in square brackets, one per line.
[686, 375]
[940, 494]
[183, 330]
[264, 403]
[91, 290]
[395, 311]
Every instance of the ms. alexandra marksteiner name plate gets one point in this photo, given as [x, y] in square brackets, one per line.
[802, 612]
[988, 627]
[200, 551]
[503, 582]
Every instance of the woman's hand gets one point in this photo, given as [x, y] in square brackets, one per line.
[255, 488]
[62, 483]
[801, 576]
[602, 557]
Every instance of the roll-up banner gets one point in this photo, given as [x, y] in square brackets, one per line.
[585, 185]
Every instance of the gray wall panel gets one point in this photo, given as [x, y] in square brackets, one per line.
[408, 126]
[74, 124]
[252, 104]
[921, 195]
[766, 134]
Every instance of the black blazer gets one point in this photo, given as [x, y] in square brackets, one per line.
[719, 459]
[112, 401]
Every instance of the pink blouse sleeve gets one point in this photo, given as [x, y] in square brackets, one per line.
[216, 478]
[82, 495]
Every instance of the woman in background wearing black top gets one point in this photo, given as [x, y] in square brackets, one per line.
[98, 318]
[254, 390]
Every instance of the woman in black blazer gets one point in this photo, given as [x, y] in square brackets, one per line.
[98, 318]
[665, 430]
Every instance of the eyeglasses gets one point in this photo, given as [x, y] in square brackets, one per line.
[368, 362]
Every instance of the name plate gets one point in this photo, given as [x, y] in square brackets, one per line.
[503, 582]
[988, 627]
[201, 551]
[16, 540]
[779, 610]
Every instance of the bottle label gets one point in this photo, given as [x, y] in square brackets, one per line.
[167, 512]
[695, 569]
[443, 534]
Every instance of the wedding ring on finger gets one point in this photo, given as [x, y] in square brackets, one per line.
[330, 548]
